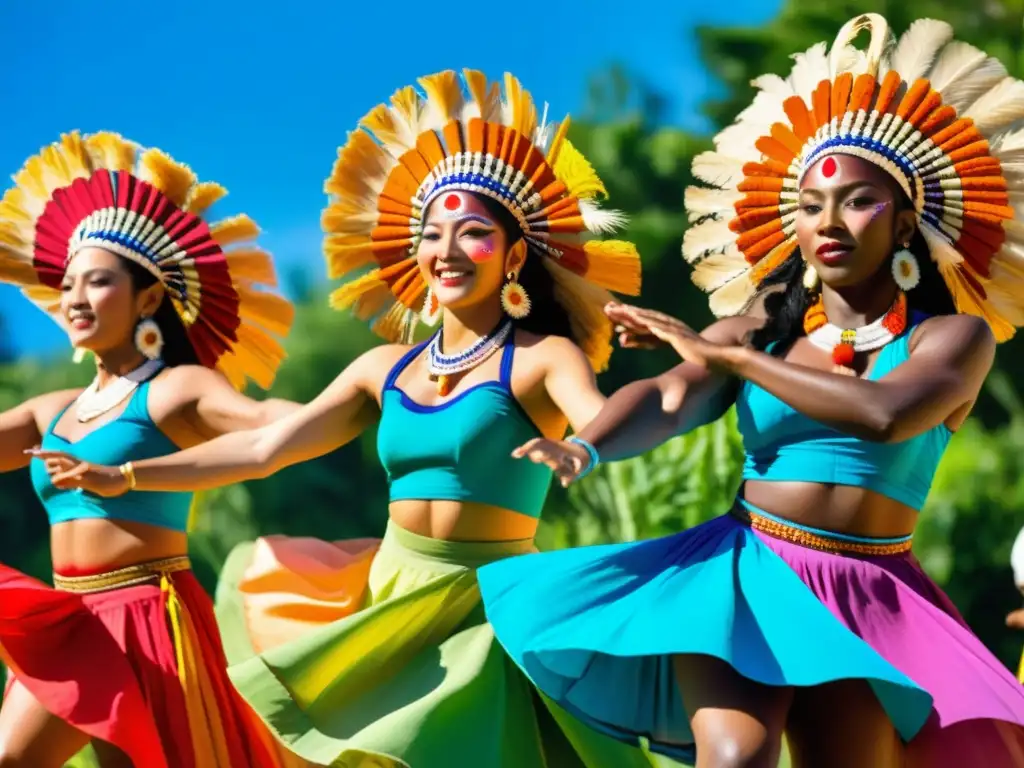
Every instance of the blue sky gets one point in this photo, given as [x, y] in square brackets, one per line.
[259, 96]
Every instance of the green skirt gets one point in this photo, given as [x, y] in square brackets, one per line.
[379, 654]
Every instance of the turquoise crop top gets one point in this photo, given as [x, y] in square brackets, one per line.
[784, 445]
[460, 450]
[132, 436]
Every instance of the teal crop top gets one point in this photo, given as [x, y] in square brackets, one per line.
[460, 450]
[784, 445]
[132, 436]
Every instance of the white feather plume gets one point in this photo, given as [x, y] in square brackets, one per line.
[962, 73]
[811, 68]
[918, 48]
[717, 169]
[599, 220]
[999, 107]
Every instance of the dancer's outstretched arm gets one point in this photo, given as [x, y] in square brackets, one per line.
[22, 427]
[646, 413]
[339, 414]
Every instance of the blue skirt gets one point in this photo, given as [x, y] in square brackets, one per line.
[595, 628]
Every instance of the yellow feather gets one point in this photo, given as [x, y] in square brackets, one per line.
[584, 303]
[172, 178]
[111, 151]
[613, 264]
[348, 294]
[204, 194]
[557, 141]
[444, 99]
[360, 171]
[235, 229]
[267, 310]
[520, 113]
[345, 253]
[577, 173]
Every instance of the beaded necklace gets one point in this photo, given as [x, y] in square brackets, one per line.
[845, 343]
[442, 367]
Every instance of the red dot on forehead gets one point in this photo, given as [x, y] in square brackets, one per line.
[829, 167]
[452, 202]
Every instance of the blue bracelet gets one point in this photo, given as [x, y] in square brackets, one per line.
[595, 459]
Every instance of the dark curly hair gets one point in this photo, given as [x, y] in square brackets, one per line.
[785, 308]
[178, 350]
[547, 317]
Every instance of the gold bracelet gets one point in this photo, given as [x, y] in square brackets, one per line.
[128, 473]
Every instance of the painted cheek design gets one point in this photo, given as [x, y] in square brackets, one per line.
[482, 250]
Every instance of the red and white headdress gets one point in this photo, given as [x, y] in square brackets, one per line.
[104, 191]
[941, 117]
[407, 153]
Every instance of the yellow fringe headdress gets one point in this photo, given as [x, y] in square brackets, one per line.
[941, 117]
[104, 191]
[405, 154]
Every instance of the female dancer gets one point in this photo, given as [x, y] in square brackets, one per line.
[112, 241]
[467, 208]
[867, 200]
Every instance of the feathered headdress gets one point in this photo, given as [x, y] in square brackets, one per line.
[405, 154]
[104, 191]
[941, 117]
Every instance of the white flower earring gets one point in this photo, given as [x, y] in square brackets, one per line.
[514, 299]
[149, 339]
[905, 269]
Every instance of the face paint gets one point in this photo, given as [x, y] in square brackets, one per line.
[879, 210]
[453, 205]
[481, 250]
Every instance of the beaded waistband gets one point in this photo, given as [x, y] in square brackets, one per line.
[128, 576]
[817, 538]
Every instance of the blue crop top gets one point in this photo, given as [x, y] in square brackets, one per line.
[784, 445]
[132, 436]
[460, 450]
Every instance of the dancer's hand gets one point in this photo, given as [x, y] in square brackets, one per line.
[1015, 620]
[67, 472]
[631, 334]
[567, 460]
[690, 345]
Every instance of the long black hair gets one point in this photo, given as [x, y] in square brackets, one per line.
[785, 307]
[547, 317]
[178, 350]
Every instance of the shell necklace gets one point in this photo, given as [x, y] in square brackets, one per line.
[94, 402]
[845, 343]
[442, 367]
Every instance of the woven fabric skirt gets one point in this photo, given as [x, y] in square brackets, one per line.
[779, 612]
[376, 653]
[135, 662]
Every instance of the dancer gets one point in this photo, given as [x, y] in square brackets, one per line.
[865, 201]
[113, 242]
[469, 210]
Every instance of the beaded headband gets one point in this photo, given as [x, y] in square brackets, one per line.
[938, 115]
[103, 191]
[407, 153]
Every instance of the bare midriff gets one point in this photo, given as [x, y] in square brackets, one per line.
[838, 508]
[91, 546]
[462, 521]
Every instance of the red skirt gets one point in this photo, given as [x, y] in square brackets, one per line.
[140, 667]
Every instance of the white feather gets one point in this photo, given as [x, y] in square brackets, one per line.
[918, 48]
[999, 107]
[962, 73]
[717, 169]
[598, 220]
[941, 250]
[700, 201]
[811, 68]
[1007, 144]
[734, 297]
[707, 239]
[715, 271]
